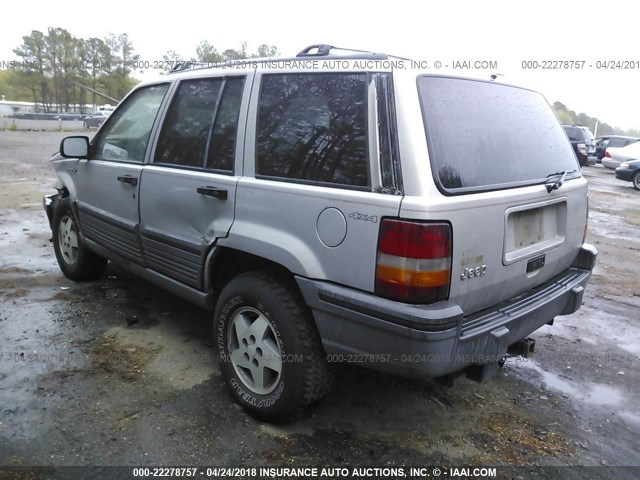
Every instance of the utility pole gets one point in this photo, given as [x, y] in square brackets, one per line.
[111, 99]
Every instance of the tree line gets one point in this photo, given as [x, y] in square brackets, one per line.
[51, 68]
[570, 117]
[206, 52]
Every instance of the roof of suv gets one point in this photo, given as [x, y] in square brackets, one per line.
[578, 128]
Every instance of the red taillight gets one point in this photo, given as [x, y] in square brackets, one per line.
[582, 148]
[414, 261]
[607, 154]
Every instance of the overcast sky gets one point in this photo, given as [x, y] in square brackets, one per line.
[509, 32]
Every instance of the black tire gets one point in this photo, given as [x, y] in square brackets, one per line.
[636, 180]
[257, 302]
[76, 262]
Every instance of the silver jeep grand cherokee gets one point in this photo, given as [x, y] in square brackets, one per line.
[419, 224]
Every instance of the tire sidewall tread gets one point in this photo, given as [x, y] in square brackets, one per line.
[88, 265]
[305, 374]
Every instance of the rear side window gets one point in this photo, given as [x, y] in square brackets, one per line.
[223, 138]
[312, 128]
[485, 136]
[200, 128]
[183, 140]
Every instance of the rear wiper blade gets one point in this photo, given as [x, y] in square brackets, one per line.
[555, 185]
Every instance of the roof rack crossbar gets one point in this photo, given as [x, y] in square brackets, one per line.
[182, 65]
[324, 50]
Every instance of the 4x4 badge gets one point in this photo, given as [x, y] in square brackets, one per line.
[362, 216]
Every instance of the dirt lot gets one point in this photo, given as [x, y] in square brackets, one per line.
[117, 372]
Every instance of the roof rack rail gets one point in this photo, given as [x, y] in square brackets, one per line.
[324, 50]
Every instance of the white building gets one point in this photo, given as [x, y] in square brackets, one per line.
[9, 108]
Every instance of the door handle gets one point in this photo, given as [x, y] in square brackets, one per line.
[128, 179]
[214, 192]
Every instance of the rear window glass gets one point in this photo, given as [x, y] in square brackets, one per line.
[574, 134]
[485, 136]
[618, 142]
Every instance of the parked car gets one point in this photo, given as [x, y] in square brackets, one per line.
[96, 119]
[70, 116]
[322, 221]
[35, 116]
[583, 143]
[630, 172]
[613, 156]
[611, 141]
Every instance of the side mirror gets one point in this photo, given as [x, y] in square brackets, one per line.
[75, 147]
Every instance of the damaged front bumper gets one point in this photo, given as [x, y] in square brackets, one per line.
[48, 202]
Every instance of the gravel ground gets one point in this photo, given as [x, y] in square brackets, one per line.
[117, 372]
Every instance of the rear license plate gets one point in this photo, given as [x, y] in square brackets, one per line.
[531, 231]
[528, 227]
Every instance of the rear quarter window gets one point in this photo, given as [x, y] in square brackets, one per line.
[312, 128]
[487, 136]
